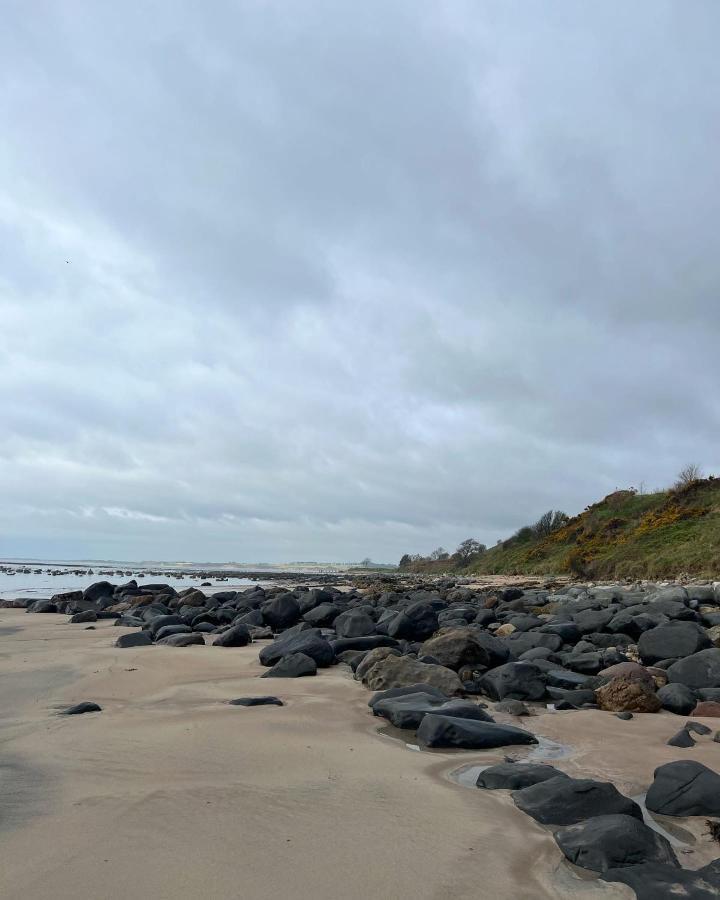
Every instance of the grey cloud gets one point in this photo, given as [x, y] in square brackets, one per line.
[349, 279]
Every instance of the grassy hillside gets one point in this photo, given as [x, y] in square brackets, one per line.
[625, 535]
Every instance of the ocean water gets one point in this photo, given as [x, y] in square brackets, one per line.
[43, 584]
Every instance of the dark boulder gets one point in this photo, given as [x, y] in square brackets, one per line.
[354, 623]
[256, 701]
[167, 630]
[182, 640]
[310, 643]
[521, 642]
[515, 681]
[569, 800]
[98, 590]
[613, 841]
[235, 636]
[281, 611]
[675, 640]
[468, 734]
[323, 615]
[653, 881]
[134, 639]
[415, 623]
[363, 643]
[295, 665]
[88, 615]
[157, 622]
[681, 739]
[459, 647]
[86, 706]
[427, 689]
[684, 788]
[701, 670]
[410, 710]
[576, 699]
[515, 776]
[590, 620]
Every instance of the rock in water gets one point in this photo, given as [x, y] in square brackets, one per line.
[653, 881]
[427, 689]
[86, 707]
[566, 801]
[684, 788]
[295, 665]
[515, 776]
[613, 841]
[624, 694]
[410, 710]
[256, 701]
[446, 731]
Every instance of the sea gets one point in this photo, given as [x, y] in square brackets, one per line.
[40, 579]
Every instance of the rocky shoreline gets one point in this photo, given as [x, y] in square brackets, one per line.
[437, 653]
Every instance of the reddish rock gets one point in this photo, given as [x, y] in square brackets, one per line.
[709, 708]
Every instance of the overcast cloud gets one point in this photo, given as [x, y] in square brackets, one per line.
[349, 279]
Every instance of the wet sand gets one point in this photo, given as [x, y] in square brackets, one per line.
[171, 793]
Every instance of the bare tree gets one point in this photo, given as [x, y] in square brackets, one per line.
[469, 548]
[549, 522]
[440, 554]
[691, 473]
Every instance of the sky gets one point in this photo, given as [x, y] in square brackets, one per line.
[320, 280]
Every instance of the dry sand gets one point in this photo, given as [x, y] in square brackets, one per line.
[171, 793]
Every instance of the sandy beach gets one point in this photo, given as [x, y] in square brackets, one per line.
[170, 792]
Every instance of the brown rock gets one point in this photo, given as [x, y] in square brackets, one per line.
[631, 671]
[622, 694]
[372, 657]
[401, 671]
[709, 708]
[505, 630]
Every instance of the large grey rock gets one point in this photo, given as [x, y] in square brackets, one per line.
[654, 881]
[677, 698]
[515, 776]
[311, 643]
[515, 681]
[294, 665]
[675, 640]
[565, 801]
[410, 710]
[684, 788]
[354, 623]
[701, 670]
[613, 841]
[468, 734]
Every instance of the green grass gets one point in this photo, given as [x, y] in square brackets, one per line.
[625, 535]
